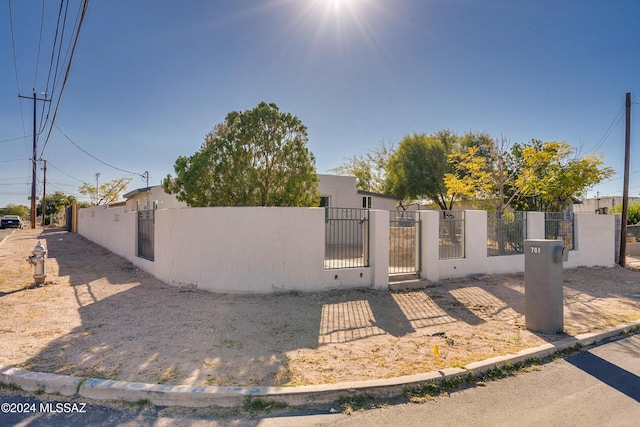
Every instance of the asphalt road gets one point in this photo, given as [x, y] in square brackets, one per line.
[4, 232]
[594, 388]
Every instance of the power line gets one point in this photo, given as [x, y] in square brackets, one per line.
[617, 119]
[66, 76]
[94, 157]
[57, 42]
[64, 173]
[13, 160]
[19, 177]
[15, 69]
[13, 45]
[35, 76]
[15, 139]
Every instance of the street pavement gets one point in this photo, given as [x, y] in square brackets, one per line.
[598, 387]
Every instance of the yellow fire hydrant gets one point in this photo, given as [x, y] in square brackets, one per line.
[38, 262]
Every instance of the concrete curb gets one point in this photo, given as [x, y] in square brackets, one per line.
[201, 396]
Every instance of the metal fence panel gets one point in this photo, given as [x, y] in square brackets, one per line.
[404, 242]
[560, 226]
[346, 238]
[451, 234]
[506, 232]
[633, 231]
[146, 225]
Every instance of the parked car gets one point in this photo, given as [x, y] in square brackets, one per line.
[10, 221]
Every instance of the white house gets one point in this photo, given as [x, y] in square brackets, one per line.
[335, 191]
[151, 198]
[340, 191]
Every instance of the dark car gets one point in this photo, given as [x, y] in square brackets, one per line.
[10, 221]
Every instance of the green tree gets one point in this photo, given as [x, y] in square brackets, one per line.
[484, 174]
[256, 157]
[416, 170]
[109, 192]
[556, 174]
[633, 212]
[550, 174]
[11, 209]
[55, 204]
[370, 169]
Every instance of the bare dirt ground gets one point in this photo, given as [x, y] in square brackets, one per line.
[99, 316]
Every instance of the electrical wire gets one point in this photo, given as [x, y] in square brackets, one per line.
[15, 139]
[92, 156]
[15, 69]
[617, 119]
[13, 45]
[66, 76]
[14, 160]
[57, 43]
[35, 76]
[63, 172]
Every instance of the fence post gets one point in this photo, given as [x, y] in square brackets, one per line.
[379, 247]
[535, 225]
[429, 239]
[475, 234]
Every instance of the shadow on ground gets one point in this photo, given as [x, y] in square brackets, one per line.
[135, 328]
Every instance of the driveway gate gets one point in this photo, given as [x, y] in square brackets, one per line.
[404, 242]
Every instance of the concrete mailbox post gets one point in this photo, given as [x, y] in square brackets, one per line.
[543, 306]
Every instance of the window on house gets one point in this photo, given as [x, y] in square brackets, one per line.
[366, 202]
[324, 201]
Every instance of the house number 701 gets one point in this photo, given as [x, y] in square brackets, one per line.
[535, 249]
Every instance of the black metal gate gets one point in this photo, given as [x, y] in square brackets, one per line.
[404, 242]
[560, 225]
[346, 238]
[146, 225]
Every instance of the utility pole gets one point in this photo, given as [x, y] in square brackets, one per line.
[625, 191]
[44, 193]
[97, 188]
[33, 159]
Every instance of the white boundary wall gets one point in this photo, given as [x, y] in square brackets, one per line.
[262, 250]
[594, 245]
[239, 250]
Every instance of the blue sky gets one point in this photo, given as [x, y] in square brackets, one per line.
[150, 78]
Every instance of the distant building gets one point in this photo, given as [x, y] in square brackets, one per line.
[335, 191]
[340, 191]
[147, 198]
[603, 205]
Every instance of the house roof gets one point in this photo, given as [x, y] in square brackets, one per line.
[130, 194]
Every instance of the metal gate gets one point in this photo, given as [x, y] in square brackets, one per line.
[404, 242]
[146, 225]
[346, 238]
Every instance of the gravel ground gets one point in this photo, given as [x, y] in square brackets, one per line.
[98, 315]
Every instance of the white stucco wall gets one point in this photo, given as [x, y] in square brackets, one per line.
[238, 250]
[112, 228]
[261, 250]
[594, 245]
[594, 241]
[340, 189]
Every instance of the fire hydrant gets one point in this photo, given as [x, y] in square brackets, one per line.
[38, 262]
